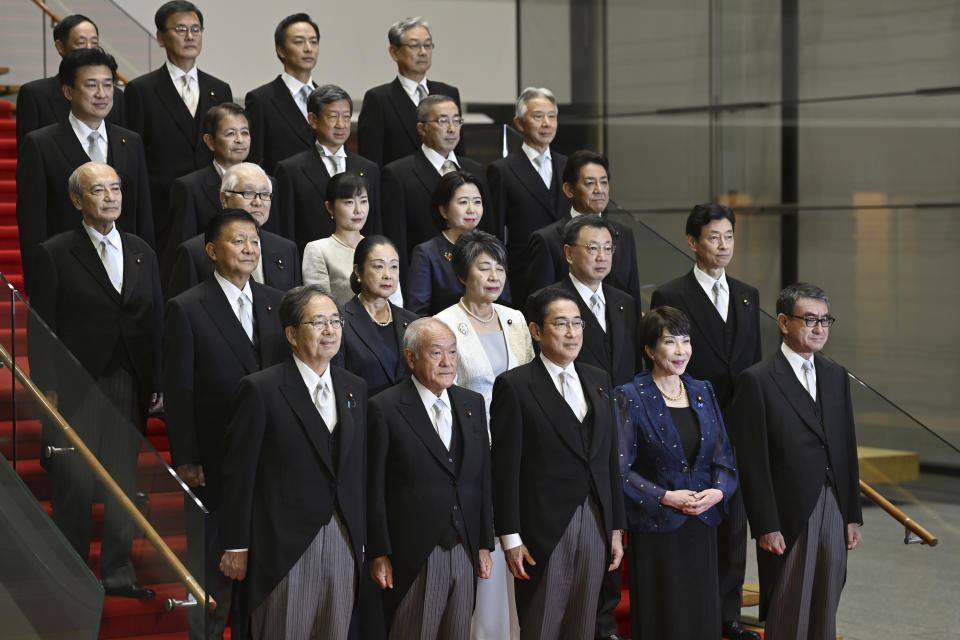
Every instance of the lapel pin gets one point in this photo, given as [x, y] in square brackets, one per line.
[361, 174]
[746, 302]
[699, 401]
[448, 256]
[213, 94]
[350, 401]
[123, 141]
[509, 320]
[462, 328]
[138, 260]
[269, 308]
[469, 414]
[405, 323]
[621, 307]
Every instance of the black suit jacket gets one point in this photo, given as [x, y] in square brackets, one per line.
[363, 352]
[618, 350]
[173, 139]
[717, 356]
[387, 126]
[41, 102]
[282, 484]
[207, 353]
[524, 204]
[786, 452]
[191, 264]
[278, 129]
[547, 263]
[540, 472]
[92, 320]
[408, 186]
[412, 489]
[302, 185]
[47, 158]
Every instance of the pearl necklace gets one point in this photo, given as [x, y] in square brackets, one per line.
[341, 242]
[678, 397]
[374, 318]
[493, 314]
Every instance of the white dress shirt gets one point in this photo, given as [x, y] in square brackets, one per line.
[176, 75]
[311, 379]
[82, 131]
[795, 360]
[295, 87]
[114, 247]
[536, 158]
[436, 159]
[231, 291]
[586, 293]
[707, 281]
[330, 158]
[410, 87]
[429, 398]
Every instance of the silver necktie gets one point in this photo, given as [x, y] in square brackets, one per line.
[809, 380]
[545, 169]
[596, 306]
[108, 263]
[720, 300]
[447, 167]
[189, 95]
[421, 93]
[570, 394]
[442, 420]
[93, 147]
[246, 317]
[321, 398]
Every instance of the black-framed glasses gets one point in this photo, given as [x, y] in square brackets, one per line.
[594, 249]
[446, 121]
[265, 196]
[322, 322]
[811, 321]
[416, 46]
[182, 29]
[565, 325]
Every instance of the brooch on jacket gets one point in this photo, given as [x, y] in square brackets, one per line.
[351, 403]
[448, 256]
[462, 328]
[699, 401]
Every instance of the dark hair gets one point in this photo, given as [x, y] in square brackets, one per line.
[428, 103]
[579, 159]
[280, 35]
[655, 321]
[294, 300]
[571, 230]
[61, 32]
[445, 190]
[536, 309]
[84, 58]
[222, 219]
[348, 184]
[326, 94]
[788, 297]
[216, 113]
[703, 214]
[362, 252]
[167, 9]
[468, 248]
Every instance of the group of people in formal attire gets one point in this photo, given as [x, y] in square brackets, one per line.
[417, 397]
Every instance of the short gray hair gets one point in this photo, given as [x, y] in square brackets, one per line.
[787, 300]
[429, 102]
[413, 338]
[295, 301]
[397, 29]
[73, 182]
[324, 95]
[529, 94]
[231, 177]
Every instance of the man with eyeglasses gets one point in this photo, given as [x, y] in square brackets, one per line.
[724, 318]
[41, 102]
[526, 185]
[792, 424]
[302, 178]
[49, 155]
[278, 110]
[215, 333]
[586, 181]
[409, 183]
[292, 520]
[166, 107]
[244, 186]
[387, 128]
[557, 495]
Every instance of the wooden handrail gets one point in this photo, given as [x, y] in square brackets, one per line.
[898, 515]
[104, 477]
[47, 10]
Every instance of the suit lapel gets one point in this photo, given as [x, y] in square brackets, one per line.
[316, 172]
[594, 337]
[794, 393]
[346, 398]
[351, 164]
[225, 320]
[620, 343]
[118, 155]
[465, 421]
[359, 324]
[599, 398]
[406, 112]
[272, 259]
[298, 397]
[210, 186]
[71, 148]
[170, 98]
[132, 264]
[425, 172]
[87, 256]
[558, 412]
[287, 107]
[740, 310]
[208, 98]
[267, 321]
[704, 315]
[527, 176]
[416, 416]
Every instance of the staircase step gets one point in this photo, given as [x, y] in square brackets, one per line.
[10, 261]
[8, 166]
[6, 109]
[8, 213]
[8, 128]
[151, 568]
[150, 475]
[8, 148]
[129, 618]
[164, 511]
[7, 187]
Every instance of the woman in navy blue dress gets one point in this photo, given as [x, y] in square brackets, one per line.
[431, 285]
[678, 468]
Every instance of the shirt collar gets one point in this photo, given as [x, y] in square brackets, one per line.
[324, 150]
[219, 168]
[176, 73]
[586, 292]
[533, 154]
[230, 290]
[554, 369]
[706, 280]
[574, 213]
[410, 86]
[435, 158]
[82, 131]
[428, 398]
[794, 359]
[294, 85]
[112, 238]
[310, 377]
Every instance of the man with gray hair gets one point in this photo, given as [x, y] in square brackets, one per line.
[293, 497]
[525, 186]
[430, 513]
[302, 178]
[387, 129]
[244, 186]
[792, 423]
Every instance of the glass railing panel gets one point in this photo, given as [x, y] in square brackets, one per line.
[27, 36]
[108, 540]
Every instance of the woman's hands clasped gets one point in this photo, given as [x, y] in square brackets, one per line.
[692, 503]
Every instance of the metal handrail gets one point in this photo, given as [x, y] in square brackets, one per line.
[106, 479]
[47, 10]
[922, 535]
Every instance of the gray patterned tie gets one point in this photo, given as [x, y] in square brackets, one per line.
[93, 147]
[442, 421]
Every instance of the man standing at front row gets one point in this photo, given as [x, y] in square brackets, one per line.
[792, 419]
[558, 499]
[292, 513]
[430, 513]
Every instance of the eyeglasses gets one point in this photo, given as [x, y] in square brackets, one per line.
[416, 46]
[446, 121]
[811, 321]
[182, 29]
[566, 325]
[322, 322]
[594, 249]
[265, 196]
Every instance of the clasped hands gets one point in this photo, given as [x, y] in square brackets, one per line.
[692, 503]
